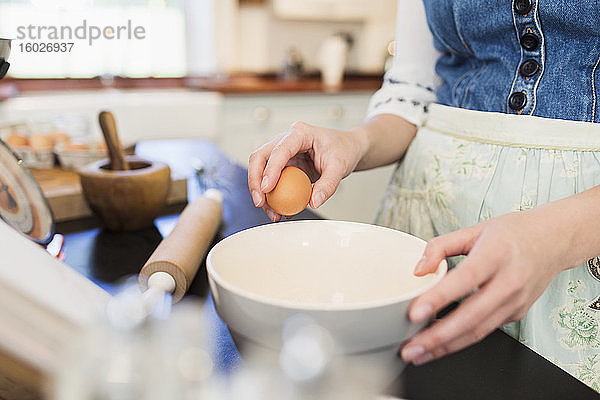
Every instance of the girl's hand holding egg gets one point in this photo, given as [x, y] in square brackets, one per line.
[325, 155]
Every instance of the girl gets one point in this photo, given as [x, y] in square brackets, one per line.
[491, 106]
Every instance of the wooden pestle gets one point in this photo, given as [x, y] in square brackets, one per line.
[111, 137]
[180, 254]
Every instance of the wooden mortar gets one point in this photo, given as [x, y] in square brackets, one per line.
[126, 200]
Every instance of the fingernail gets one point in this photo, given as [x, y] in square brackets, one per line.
[411, 353]
[421, 312]
[419, 266]
[318, 199]
[425, 358]
[271, 215]
[264, 183]
[256, 198]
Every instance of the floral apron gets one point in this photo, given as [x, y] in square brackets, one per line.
[467, 166]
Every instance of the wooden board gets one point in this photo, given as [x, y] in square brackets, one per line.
[63, 191]
[19, 380]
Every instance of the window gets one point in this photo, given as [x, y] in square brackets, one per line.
[86, 38]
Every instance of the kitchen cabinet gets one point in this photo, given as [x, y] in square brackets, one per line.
[249, 121]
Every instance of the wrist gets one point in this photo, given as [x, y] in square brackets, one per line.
[553, 239]
[362, 140]
[569, 226]
[382, 140]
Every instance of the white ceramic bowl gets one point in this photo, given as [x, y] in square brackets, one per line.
[355, 280]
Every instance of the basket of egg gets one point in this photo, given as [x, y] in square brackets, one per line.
[76, 154]
[36, 150]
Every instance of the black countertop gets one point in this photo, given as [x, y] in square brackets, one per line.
[499, 367]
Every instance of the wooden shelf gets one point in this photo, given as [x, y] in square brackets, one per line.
[237, 83]
[258, 84]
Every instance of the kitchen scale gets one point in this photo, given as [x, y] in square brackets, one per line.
[22, 202]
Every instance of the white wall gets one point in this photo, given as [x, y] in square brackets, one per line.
[212, 33]
[224, 36]
[161, 52]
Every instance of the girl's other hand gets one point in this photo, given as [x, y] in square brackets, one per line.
[510, 261]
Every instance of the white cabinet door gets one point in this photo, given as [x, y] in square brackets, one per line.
[358, 196]
[251, 121]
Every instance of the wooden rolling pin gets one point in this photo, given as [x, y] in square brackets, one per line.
[180, 254]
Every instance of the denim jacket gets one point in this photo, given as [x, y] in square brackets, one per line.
[536, 57]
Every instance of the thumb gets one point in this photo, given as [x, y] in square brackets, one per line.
[451, 244]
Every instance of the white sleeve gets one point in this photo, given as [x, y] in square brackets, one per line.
[409, 86]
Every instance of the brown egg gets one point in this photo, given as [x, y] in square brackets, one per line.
[41, 142]
[77, 146]
[16, 141]
[292, 192]
[60, 137]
